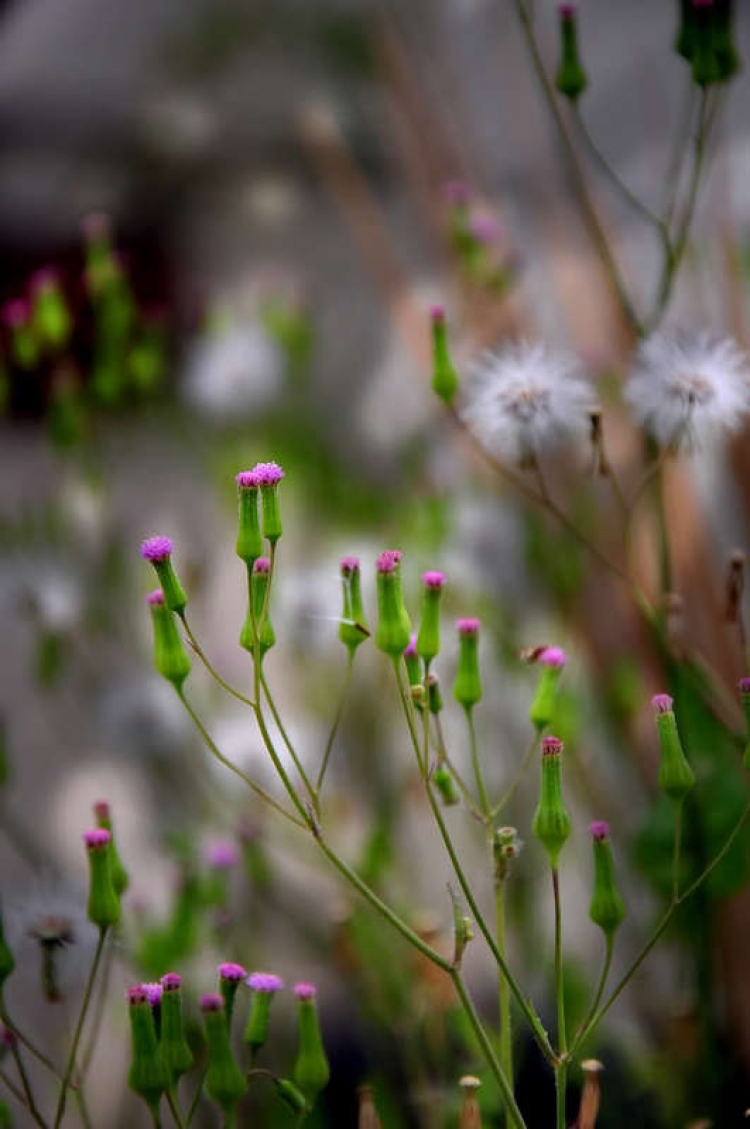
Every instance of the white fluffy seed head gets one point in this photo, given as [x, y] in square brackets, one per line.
[525, 399]
[688, 389]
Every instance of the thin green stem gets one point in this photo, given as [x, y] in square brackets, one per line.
[214, 674]
[608, 951]
[216, 752]
[510, 790]
[561, 1078]
[31, 1047]
[285, 738]
[70, 1066]
[463, 786]
[676, 855]
[12, 1088]
[478, 775]
[96, 1022]
[514, 1114]
[337, 720]
[506, 1032]
[174, 1108]
[196, 1097]
[681, 147]
[561, 1073]
[26, 1086]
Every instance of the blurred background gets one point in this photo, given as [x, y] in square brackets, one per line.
[222, 225]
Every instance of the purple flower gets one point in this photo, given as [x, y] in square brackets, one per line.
[153, 991]
[262, 564]
[599, 830]
[554, 657]
[211, 1002]
[305, 991]
[171, 981]
[457, 192]
[389, 560]
[264, 982]
[247, 480]
[468, 626]
[16, 313]
[551, 746]
[156, 549]
[485, 228]
[433, 579]
[155, 598]
[437, 314]
[268, 474]
[662, 703]
[349, 565]
[231, 971]
[102, 809]
[410, 649]
[96, 838]
[137, 995]
[221, 854]
[744, 685]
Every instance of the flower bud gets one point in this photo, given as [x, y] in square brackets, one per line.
[268, 477]
[551, 824]
[434, 697]
[745, 695]
[413, 666]
[552, 661]
[147, 1076]
[225, 1082]
[444, 376]
[727, 60]
[467, 687]
[103, 905]
[607, 909]
[470, 1116]
[311, 1070]
[685, 40]
[571, 78]
[261, 577]
[174, 1051]
[676, 777]
[51, 317]
[704, 61]
[170, 657]
[249, 538]
[7, 960]
[230, 975]
[394, 628]
[158, 550]
[353, 626]
[265, 986]
[428, 639]
[103, 818]
[446, 786]
[506, 846]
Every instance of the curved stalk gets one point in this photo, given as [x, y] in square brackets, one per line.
[285, 738]
[336, 720]
[195, 645]
[70, 1066]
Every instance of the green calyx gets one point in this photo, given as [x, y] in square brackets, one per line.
[311, 1069]
[394, 627]
[228, 990]
[353, 626]
[571, 78]
[256, 1030]
[467, 686]
[103, 907]
[551, 825]
[428, 637]
[434, 697]
[147, 1076]
[676, 777]
[269, 496]
[174, 1051]
[249, 538]
[259, 582]
[543, 707]
[120, 877]
[174, 594]
[607, 909]
[446, 786]
[444, 377]
[225, 1082]
[413, 667]
[170, 657]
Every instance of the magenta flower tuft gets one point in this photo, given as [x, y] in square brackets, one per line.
[156, 549]
[231, 971]
[211, 1002]
[44, 278]
[599, 830]
[16, 313]
[171, 981]
[268, 474]
[389, 560]
[96, 838]
[221, 854]
[457, 192]
[155, 598]
[153, 990]
[348, 565]
[551, 746]
[468, 626]
[265, 982]
[437, 314]
[137, 994]
[568, 11]
[744, 685]
[102, 809]
[662, 703]
[305, 990]
[554, 657]
[434, 579]
[262, 564]
[411, 648]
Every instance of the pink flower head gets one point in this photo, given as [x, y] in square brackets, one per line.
[211, 1002]
[102, 809]
[156, 549]
[268, 474]
[96, 838]
[265, 982]
[389, 560]
[155, 599]
[8, 1037]
[467, 626]
[599, 830]
[485, 228]
[457, 192]
[171, 981]
[247, 480]
[551, 746]
[221, 854]
[231, 971]
[410, 649]
[16, 313]
[44, 279]
[554, 657]
[437, 314]
[662, 703]
[153, 991]
[305, 991]
[568, 11]
[744, 685]
[348, 565]
[434, 580]
[262, 564]
[137, 995]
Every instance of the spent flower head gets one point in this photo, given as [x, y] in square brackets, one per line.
[689, 388]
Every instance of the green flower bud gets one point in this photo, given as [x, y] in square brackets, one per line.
[705, 64]
[265, 986]
[685, 41]
[290, 1095]
[259, 581]
[353, 626]
[103, 817]
[428, 639]
[571, 78]
[435, 698]
[225, 1082]
[16, 315]
[158, 550]
[607, 909]
[676, 777]
[311, 1070]
[103, 905]
[745, 695]
[249, 539]
[230, 975]
[7, 960]
[394, 627]
[412, 663]
[174, 1051]
[552, 661]
[268, 476]
[446, 786]
[170, 657]
[467, 687]
[444, 376]
[551, 824]
[51, 317]
[147, 1076]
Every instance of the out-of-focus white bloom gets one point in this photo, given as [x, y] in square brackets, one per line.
[57, 600]
[689, 388]
[233, 370]
[525, 399]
